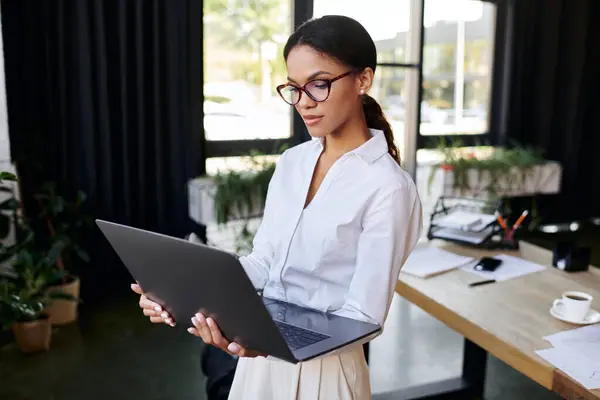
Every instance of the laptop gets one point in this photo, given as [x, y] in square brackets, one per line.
[186, 277]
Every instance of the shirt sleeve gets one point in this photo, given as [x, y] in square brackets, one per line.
[391, 228]
[257, 263]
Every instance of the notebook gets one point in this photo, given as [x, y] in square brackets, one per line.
[424, 262]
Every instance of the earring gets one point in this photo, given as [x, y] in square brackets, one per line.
[362, 91]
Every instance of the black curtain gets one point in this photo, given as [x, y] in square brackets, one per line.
[105, 96]
[554, 96]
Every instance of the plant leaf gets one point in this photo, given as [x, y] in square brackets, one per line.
[7, 176]
[82, 254]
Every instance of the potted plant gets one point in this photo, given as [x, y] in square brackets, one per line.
[65, 223]
[24, 294]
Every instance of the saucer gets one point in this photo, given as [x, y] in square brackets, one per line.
[592, 317]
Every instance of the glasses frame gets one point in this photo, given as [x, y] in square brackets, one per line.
[302, 88]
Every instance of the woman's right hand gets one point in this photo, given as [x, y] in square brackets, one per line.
[151, 309]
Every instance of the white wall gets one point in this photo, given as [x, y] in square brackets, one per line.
[4, 143]
[5, 164]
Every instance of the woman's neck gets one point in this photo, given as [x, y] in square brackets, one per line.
[347, 138]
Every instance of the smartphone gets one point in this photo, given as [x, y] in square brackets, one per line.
[489, 264]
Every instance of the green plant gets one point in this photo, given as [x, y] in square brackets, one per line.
[241, 194]
[511, 166]
[24, 291]
[65, 222]
[495, 167]
[29, 265]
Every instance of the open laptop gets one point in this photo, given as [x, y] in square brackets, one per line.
[186, 277]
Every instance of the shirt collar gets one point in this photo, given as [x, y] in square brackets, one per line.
[372, 149]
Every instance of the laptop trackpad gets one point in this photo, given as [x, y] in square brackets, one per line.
[296, 337]
[299, 326]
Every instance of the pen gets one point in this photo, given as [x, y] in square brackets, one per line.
[519, 221]
[501, 222]
[482, 282]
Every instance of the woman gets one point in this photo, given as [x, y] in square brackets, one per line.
[341, 216]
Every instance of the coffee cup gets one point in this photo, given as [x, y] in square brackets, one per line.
[573, 305]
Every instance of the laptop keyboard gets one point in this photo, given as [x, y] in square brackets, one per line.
[297, 338]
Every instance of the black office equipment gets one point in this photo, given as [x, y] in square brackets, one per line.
[566, 256]
[488, 264]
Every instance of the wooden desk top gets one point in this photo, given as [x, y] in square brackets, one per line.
[509, 318]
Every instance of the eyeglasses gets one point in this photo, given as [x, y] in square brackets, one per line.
[317, 89]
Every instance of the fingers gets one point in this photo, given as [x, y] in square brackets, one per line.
[151, 309]
[201, 328]
[208, 330]
[149, 304]
[136, 288]
[217, 336]
[236, 349]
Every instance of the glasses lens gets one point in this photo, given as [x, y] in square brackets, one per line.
[290, 94]
[319, 90]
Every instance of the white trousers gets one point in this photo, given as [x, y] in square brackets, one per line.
[343, 376]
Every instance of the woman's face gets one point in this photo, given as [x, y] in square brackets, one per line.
[304, 64]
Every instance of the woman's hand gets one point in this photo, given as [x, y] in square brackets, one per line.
[207, 329]
[151, 309]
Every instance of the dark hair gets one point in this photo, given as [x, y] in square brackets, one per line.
[346, 40]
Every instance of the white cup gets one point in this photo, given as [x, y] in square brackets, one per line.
[573, 305]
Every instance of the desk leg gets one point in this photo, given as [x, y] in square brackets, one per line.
[474, 368]
[366, 351]
[469, 386]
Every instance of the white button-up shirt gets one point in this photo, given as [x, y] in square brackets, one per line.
[343, 252]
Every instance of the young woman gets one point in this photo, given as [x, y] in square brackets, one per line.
[341, 216]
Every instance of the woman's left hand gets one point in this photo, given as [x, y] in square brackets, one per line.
[207, 329]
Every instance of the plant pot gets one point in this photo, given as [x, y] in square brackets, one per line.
[63, 312]
[33, 336]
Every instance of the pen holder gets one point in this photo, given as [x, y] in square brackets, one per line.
[510, 242]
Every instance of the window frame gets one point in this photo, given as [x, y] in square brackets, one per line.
[496, 115]
[302, 10]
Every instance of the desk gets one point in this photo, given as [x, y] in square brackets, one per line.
[507, 319]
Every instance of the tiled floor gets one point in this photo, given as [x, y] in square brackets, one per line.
[114, 353]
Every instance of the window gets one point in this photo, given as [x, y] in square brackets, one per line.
[446, 79]
[457, 67]
[388, 23]
[243, 63]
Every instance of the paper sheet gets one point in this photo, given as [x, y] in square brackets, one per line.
[585, 341]
[428, 261]
[511, 267]
[583, 369]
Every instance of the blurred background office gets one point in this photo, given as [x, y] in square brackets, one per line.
[163, 114]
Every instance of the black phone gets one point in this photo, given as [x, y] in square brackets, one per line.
[489, 264]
